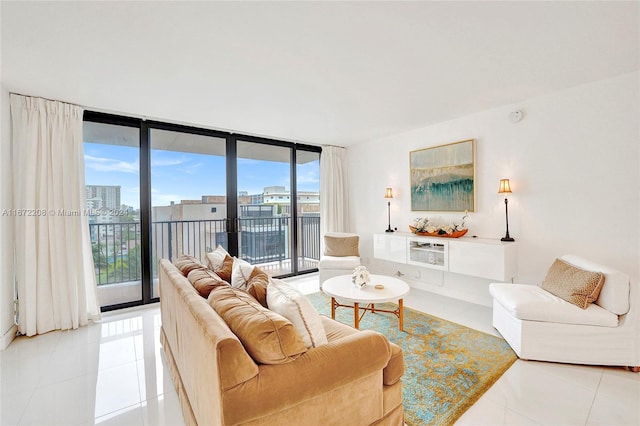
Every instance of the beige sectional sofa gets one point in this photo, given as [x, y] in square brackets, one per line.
[353, 379]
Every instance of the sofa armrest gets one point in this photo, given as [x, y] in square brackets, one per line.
[317, 371]
[394, 370]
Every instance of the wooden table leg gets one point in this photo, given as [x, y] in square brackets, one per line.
[333, 308]
[401, 317]
[356, 315]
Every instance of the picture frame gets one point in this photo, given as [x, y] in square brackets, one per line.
[442, 178]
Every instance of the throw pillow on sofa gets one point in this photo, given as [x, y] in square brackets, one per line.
[268, 337]
[204, 280]
[186, 264]
[220, 262]
[251, 279]
[294, 306]
[573, 284]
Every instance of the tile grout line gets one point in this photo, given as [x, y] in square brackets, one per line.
[593, 400]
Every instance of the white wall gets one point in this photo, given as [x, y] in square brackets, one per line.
[573, 163]
[7, 331]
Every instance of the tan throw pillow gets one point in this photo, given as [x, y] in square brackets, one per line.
[341, 245]
[257, 285]
[294, 306]
[573, 284]
[220, 262]
[251, 279]
[186, 264]
[204, 280]
[268, 337]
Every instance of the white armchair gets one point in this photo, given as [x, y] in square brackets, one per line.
[341, 255]
[541, 326]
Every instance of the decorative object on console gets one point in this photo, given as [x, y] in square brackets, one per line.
[388, 193]
[443, 177]
[360, 277]
[426, 227]
[505, 188]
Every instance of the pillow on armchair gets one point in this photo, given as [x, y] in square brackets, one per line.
[573, 284]
[341, 244]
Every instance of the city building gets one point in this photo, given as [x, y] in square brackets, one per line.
[109, 194]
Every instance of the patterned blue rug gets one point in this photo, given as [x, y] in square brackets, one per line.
[447, 366]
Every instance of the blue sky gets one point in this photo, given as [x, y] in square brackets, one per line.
[179, 175]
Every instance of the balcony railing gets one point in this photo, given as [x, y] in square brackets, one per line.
[264, 241]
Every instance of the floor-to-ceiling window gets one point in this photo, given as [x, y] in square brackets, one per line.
[112, 177]
[188, 195]
[308, 209]
[264, 205]
[185, 190]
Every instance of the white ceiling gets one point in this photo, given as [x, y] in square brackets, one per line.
[315, 72]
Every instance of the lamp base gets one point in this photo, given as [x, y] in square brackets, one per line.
[389, 230]
[506, 239]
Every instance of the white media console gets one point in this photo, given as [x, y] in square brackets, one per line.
[479, 257]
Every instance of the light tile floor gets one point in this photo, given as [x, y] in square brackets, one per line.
[113, 373]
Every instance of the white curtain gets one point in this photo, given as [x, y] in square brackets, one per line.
[54, 265]
[334, 190]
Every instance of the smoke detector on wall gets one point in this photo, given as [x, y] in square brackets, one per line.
[515, 116]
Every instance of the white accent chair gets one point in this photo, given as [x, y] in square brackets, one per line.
[341, 255]
[540, 326]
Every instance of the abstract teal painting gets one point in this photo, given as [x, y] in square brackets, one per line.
[443, 177]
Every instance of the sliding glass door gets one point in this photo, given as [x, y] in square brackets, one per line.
[308, 209]
[112, 185]
[264, 206]
[188, 195]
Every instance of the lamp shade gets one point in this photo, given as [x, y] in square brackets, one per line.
[388, 193]
[504, 186]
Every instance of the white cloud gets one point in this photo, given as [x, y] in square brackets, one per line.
[167, 162]
[102, 164]
[309, 177]
[193, 168]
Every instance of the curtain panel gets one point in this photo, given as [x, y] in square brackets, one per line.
[54, 275]
[334, 190]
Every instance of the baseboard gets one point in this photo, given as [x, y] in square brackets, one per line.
[8, 337]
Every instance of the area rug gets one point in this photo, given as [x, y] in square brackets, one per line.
[447, 366]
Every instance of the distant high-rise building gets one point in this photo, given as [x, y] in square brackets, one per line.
[109, 194]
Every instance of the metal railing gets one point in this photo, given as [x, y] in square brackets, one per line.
[116, 251]
[264, 240]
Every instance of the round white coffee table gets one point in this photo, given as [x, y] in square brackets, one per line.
[342, 288]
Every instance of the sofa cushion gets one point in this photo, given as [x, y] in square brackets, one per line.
[186, 264]
[220, 262]
[204, 280]
[341, 244]
[294, 306]
[268, 337]
[614, 295]
[257, 286]
[573, 284]
[345, 262]
[532, 303]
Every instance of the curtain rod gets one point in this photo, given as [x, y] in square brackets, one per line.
[47, 99]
